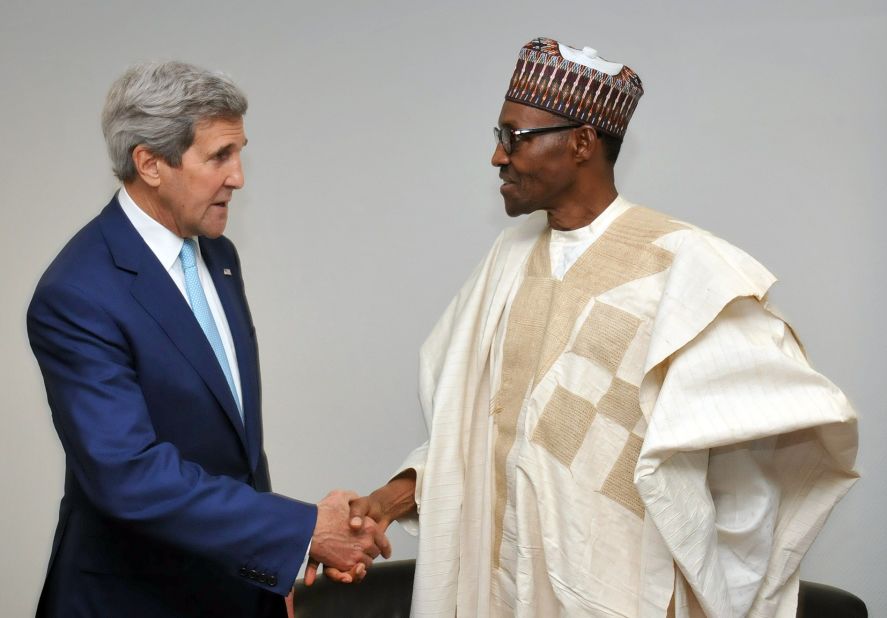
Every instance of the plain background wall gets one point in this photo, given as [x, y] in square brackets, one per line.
[370, 197]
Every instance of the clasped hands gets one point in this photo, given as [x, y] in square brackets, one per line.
[350, 530]
[346, 538]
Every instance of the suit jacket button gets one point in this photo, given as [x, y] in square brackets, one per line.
[253, 574]
[243, 572]
[272, 581]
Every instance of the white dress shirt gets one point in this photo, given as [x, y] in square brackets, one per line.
[166, 246]
[567, 246]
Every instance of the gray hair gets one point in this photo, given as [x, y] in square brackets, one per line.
[158, 105]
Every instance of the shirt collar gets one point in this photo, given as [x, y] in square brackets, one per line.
[163, 243]
[594, 229]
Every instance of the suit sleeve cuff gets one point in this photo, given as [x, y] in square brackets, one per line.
[290, 548]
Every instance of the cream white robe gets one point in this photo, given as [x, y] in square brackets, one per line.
[721, 385]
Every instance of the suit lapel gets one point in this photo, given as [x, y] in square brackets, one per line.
[226, 277]
[155, 290]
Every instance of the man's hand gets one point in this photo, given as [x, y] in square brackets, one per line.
[340, 545]
[379, 509]
[358, 572]
[389, 502]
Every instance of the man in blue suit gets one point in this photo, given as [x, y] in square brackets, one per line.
[148, 352]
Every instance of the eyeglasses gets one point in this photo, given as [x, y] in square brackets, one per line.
[509, 137]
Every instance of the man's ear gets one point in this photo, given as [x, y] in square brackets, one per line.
[147, 165]
[587, 143]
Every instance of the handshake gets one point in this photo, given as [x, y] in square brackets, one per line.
[350, 530]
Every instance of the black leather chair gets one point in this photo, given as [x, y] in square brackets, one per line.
[388, 588]
[821, 601]
[385, 592]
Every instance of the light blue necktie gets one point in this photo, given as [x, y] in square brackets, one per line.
[200, 307]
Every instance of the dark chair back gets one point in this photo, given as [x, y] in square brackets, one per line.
[821, 601]
[387, 590]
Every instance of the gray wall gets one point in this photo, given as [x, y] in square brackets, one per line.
[369, 198]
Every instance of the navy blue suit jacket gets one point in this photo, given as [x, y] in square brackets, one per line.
[167, 508]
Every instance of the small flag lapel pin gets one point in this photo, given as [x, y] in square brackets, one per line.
[226, 272]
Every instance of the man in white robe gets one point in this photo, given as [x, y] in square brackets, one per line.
[620, 424]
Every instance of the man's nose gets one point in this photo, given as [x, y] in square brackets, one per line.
[235, 178]
[500, 157]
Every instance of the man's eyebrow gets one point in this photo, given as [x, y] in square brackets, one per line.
[227, 148]
[222, 150]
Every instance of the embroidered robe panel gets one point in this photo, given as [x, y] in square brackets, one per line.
[568, 426]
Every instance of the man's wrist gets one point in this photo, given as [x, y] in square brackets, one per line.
[397, 498]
